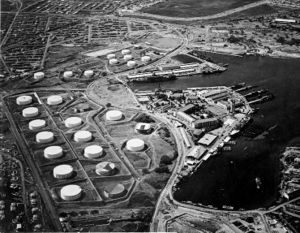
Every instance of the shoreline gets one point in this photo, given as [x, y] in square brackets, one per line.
[139, 14]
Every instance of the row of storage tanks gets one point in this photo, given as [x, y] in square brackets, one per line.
[64, 171]
[112, 60]
[67, 74]
[86, 74]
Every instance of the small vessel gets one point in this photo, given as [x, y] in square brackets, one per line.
[258, 182]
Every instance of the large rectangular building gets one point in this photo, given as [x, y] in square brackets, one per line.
[207, 139]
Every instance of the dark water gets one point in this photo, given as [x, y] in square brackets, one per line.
[194, 8]
[229, 178]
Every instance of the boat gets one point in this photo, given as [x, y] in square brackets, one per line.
[155, 78]
[258, 182]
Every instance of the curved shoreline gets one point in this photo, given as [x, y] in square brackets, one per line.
[208, 17]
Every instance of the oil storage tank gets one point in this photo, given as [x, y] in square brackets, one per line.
[72, 122]
[106, 168]
[54, 100]
[44, 137]
[93, 151]
[53, 152]
[63, 171]
[70, 192]
[30, 112]
[37, 124]
[83, 136]
[135, 144]
[24, 100]
[114, 115]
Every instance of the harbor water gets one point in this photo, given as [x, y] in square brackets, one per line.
[230, 177]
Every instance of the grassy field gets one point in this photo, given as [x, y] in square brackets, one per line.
[194, 8]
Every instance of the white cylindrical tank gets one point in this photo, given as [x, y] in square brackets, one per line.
[110, 56]
[54, 100]
[73, 122]
[30, 112]
[117, 191]
[53, 152]
[114, 115]
[70, 192]
[125, 51]
[68, 74]
[83, 136]
[93, 151]
[113, 61]
[24, 100]
[135, 144]
[38, 75]
[88, 73]
[44, 137]
[63, 171]
[145, 59]
[105, 168]
[37, 124]
[127, 57]
[131, 63]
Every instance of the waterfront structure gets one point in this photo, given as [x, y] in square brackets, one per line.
[286, 21]
[105, 168]
[24, 100]
[44, 137]
[72, 122]
[135, 145]
[83, 136]
[70, 192]
[114, 115]
[54, 100]
[93, 151]
[197, 152]
[30, 112]
[207, 139]
[63, 171]
[36, 124]
[53, 152]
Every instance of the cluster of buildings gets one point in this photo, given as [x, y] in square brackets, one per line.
[12, 215]
[291, 172]
[196, 107]
[108, 29]
[71, 7]
[22, 51]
